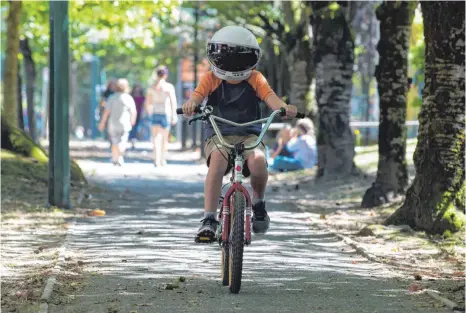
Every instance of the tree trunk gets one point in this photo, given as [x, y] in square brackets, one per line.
[299, 58]
[334, 56]
[431, 202]
[17, 141]
[30, 75]
[19, 98]
[10, 81]
[392, 77]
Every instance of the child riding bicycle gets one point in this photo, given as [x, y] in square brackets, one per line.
[234, 89]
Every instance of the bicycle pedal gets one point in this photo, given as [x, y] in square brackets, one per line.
[203, 239]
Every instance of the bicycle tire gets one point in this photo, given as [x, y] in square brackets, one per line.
[236, 242]
[224, 263]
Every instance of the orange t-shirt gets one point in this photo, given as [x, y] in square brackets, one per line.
[210, 83]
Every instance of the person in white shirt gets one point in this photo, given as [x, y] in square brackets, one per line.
[160, 105]
[121, 114]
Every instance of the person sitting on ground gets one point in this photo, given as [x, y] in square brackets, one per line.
[120, 112]
[283, 136]
[302, 146]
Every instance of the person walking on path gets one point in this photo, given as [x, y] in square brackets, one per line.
[121, 114]
[160, 105]
[138, 96]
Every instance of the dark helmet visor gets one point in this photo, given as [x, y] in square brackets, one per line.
[232, 58]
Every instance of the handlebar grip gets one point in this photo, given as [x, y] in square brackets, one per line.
[197, 110]
[300, 115]
[282, 112]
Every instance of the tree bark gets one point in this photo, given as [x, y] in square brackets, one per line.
[431, 201]
[334, 57]
[30, 76]
[392, 78]
[10, 81]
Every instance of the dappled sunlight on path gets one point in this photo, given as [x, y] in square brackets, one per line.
[146, 240]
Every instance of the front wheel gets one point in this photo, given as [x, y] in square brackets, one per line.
[236, 242]
[225, 266]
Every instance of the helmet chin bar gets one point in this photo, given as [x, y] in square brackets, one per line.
[239, 76]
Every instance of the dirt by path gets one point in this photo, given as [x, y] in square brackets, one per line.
[426, 262]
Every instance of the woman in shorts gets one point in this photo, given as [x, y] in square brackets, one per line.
[161, 106]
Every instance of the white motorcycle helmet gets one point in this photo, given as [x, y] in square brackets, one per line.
[233, 53]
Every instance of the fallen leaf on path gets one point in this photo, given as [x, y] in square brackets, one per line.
[414, 287]
[96, 212]
[323, 217]
[171, 286]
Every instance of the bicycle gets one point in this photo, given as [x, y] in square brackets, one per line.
[234, 231]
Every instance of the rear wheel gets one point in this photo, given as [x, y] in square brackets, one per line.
[236, 242]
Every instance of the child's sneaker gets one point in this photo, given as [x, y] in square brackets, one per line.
[260, 218]
[206, 233]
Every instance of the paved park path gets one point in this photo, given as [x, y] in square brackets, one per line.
[145, 241]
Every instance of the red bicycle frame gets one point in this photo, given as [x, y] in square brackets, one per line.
[227, 211]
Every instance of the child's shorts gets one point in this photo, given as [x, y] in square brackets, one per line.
[212, 144]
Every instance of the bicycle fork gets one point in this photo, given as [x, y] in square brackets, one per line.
[225, 214]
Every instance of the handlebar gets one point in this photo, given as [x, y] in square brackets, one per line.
[207, 113]
[196, 110]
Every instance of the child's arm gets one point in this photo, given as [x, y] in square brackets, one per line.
[271, 99]
[202, 91]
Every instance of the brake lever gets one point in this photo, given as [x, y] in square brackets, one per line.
[196, 118]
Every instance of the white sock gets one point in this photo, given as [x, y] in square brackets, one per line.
[209, 215]
[257, 200]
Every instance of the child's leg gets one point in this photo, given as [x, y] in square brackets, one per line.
[213, 187]
[213, 183]
[259, 174]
